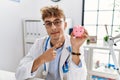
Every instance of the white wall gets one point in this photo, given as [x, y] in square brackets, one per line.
[11, 15]
[11, 42]
[72, 8]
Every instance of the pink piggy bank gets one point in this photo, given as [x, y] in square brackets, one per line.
[78, 30]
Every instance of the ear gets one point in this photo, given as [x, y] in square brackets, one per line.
[65, 25]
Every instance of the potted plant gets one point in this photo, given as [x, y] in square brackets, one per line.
[88, 41]
[105, 40]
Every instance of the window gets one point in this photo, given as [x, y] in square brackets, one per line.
[98, 13]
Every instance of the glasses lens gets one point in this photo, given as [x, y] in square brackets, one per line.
[48, 24]
[57, 22]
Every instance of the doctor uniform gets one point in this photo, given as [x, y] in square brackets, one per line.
[62, 68]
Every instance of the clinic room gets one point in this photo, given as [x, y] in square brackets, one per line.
[60, 39]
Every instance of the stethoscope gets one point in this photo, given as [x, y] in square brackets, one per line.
[65, 67]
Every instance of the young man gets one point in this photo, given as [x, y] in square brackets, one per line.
[57, 56]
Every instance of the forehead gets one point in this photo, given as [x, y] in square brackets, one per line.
[52, 19]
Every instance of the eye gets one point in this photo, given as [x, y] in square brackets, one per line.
[57, 22]
[48, 23]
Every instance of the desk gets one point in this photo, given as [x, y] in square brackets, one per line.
[96, 53]
[6, 75]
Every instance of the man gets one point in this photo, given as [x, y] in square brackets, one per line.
[57, 56]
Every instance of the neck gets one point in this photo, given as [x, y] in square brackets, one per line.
[55, 41]
[57, 47]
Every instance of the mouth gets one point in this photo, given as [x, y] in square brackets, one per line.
[53, 33]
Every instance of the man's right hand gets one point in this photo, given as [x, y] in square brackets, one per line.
[47, 56]
[50, 54]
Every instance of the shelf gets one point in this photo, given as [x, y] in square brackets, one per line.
[105, 75]
[94, 46]
[105, 72]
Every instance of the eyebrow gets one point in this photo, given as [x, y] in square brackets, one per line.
[47, 21]
[52, 21]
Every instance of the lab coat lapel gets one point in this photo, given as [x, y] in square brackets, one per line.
[65, 54]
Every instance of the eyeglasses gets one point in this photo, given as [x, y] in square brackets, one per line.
[56, 23]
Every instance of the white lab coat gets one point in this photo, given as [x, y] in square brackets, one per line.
[24, 69]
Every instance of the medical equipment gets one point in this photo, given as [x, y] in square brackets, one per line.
[112, 52]
[111, 43]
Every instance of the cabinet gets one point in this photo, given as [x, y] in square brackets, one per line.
[97, 60]
[32, 29]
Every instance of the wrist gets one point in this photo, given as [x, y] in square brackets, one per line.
[76, 53]
[75, 50]
[42, 59]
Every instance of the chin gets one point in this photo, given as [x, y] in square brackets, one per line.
[55, 37]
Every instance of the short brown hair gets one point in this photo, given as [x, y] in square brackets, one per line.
[52, 11]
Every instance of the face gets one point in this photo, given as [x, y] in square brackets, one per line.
[55, 27]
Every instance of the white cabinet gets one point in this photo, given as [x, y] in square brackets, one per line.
[32, 29]
[97, 60]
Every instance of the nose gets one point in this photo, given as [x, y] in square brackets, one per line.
[53, 26]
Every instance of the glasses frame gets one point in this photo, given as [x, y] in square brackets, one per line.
[56, 23]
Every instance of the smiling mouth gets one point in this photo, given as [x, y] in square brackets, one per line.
[54, 33]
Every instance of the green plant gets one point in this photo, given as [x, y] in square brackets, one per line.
[88, 41]
[106, 38]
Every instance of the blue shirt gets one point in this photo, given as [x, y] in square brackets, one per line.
[53, 71]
